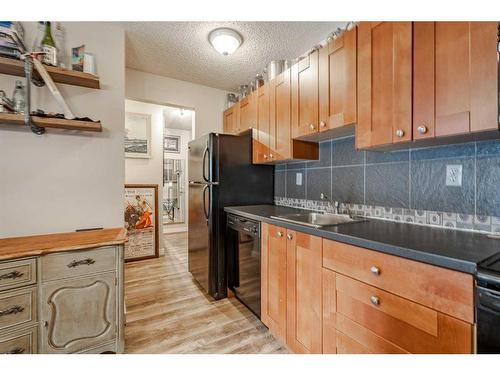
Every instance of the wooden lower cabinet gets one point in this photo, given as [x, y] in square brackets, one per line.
[291, 288]
[273, 282]
[303, 293]
[317, 299]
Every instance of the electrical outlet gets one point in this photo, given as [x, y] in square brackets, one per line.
[454, 175]
[298, 179]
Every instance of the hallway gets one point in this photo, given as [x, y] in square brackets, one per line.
[168, 313]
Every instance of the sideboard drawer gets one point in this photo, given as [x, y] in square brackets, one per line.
[17, 307]
[78, 263]
[20, 342]
[17, 273]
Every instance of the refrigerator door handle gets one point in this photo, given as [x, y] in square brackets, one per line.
[207, 213]
[205, 153]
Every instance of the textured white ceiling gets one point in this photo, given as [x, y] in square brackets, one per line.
[174, 120]
[181, 49]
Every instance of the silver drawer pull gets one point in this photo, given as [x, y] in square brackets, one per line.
[375, 270]
[12, 310]
[280, 234]
[16, 350]
[289, 236]
[82, 262]
[11, 275]
[375, 300]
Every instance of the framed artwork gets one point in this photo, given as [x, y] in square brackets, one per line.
[172, 143]
[141, 221]
[137, 135]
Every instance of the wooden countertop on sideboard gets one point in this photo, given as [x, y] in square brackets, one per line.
[20, 247]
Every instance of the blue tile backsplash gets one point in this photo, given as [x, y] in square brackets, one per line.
[411, 183]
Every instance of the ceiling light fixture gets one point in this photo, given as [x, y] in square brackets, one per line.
[225, 41]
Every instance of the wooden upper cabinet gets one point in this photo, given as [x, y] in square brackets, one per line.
[229, 119]
[280, 123]
[304, 292]
[455, 78]
[261, 135]
[384, 83]
[337, 82]
[305, 96]
[274, 280]
[248, 112]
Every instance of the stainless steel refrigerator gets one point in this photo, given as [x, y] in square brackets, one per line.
[221, 174]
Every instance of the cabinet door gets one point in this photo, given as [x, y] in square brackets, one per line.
[248, 113]
[305, 96]
[230, 119]
[273, 287]
[455, 78]
[337, 82]
[384, 83]
[78, 313]
[262, 133]
[329, 299]
[281, 117]
[304, 292]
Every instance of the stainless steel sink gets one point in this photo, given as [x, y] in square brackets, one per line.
[318, 220]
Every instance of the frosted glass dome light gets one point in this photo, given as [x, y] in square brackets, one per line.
[225, 41]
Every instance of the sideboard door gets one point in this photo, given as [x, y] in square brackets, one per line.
[78, 314]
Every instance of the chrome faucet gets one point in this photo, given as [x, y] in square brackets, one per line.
[335, 204]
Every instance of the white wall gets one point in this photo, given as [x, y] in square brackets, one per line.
[207, 102]
[148, 171]
[63, 181]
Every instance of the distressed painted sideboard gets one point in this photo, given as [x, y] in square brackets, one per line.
[62, 293]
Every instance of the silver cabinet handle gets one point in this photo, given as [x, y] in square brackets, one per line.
[322, 124]
[16, 350]
[375, 270]
[271, 156]
[11, 275]
[289, 236]
[265, 156]
[422, 129]
[12, 310]
[375, 300]
[280, 234]
[400, 133]
[76, 263]
[311, 126]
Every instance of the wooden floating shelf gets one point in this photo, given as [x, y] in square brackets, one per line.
[48, 122]
[69, 77]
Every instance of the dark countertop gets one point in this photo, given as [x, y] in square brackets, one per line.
[453, 249]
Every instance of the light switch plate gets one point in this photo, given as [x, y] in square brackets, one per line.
[454, 175]
[298, 179]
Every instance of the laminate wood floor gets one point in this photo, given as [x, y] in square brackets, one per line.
[168, 313]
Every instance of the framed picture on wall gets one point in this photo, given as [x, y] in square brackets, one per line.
[172, 144]
[141, 221]
[137, 135]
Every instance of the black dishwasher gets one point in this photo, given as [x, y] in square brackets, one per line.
[243, 259]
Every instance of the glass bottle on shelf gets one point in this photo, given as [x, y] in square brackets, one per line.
[19, 97]
[49, 46]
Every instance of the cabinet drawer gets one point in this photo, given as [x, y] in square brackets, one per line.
[17, 307]
[17, 273]
[20, 342]
[441, 289]
[346, 345]
[401, 323]
[78, 263]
